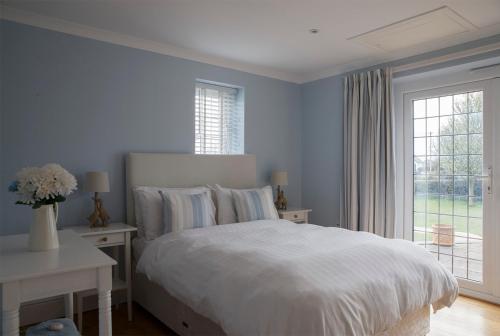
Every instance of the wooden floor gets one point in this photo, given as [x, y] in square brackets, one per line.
[467, 317]
[143, 323]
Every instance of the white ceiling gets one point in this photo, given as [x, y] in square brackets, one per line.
[269, 35]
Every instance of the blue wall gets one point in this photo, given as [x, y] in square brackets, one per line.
[322, 149]
[85, 104]
[322, 144]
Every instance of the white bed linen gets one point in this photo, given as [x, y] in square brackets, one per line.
[275, 278]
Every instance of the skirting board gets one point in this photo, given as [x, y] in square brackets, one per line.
[480, 296]
[46, 309]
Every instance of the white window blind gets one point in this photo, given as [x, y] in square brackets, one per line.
[218, 120]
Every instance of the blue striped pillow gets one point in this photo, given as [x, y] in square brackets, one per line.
[183, 211]
[254, 204]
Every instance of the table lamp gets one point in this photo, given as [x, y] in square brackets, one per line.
[97, 182]
[279, 179]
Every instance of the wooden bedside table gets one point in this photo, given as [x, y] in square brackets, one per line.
[296, 215]
[113, 235]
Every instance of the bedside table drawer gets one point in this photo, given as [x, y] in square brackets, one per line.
[295, 216]
[106, 239]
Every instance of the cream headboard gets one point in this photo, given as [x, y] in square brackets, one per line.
[187, 170]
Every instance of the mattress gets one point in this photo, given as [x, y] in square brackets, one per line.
[275, 277]
[186, 322]
[138, 246]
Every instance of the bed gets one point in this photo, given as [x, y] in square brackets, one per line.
[173, 282]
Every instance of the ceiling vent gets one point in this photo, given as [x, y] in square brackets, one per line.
[426, 27]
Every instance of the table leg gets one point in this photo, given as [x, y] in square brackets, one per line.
[79, 305]
[116, 255]
[68, 305]
[10, 309]
[10, 321]
[116, 269]
[105, 313]
[128, 274]
[104, 300]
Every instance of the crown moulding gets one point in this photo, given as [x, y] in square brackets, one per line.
[68, 27]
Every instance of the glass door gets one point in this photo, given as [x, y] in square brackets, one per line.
[449, 175]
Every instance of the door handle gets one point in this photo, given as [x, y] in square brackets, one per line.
[488, 178]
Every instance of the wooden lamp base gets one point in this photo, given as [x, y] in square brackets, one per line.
[281, 201]
[100, 216]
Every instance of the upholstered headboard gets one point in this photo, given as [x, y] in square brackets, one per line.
[187, 170]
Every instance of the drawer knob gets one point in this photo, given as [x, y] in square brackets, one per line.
[296, 216]
[104, 239]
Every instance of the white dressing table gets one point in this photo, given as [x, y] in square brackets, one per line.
[77, 265]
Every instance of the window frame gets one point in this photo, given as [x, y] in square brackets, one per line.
[408, 98]
[408, 83]
[238, 124]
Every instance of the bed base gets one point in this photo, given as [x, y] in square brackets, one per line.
[185, 322]
[172, 312]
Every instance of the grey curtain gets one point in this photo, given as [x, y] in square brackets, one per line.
[369, 176]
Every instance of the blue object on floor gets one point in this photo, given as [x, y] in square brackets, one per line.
[42, 329]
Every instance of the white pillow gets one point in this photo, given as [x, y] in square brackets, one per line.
[254, 204]
[151, 208]
[182, 211]
[138, 215]
[226, 214]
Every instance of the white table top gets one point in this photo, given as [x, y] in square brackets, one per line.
[75, 253]
[86, 230]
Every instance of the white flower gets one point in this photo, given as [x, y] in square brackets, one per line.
[60, 181]
[48, 182]
[29, 179]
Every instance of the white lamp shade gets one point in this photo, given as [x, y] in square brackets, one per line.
[96, 182]
[279, 178]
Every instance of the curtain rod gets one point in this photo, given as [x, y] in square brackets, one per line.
[446, 58]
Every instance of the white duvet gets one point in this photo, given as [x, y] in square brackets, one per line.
[280, 278]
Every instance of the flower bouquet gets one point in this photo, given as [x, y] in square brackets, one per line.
[43, 188]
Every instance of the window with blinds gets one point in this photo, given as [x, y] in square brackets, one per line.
[218, 120]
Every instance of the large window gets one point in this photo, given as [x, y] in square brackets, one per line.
[219, 119]
[448, 182]
[449, 195]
